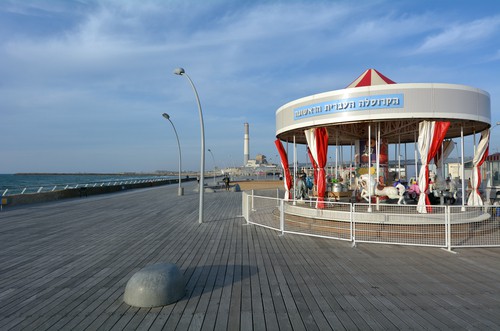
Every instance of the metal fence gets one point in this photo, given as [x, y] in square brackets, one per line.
[9, 198]
[66, 186]
[483, 232]
[442, 226]
[399, 224]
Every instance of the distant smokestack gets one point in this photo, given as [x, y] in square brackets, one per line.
[246, 146]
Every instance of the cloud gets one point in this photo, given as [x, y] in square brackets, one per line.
[105, 67]
[462, 36]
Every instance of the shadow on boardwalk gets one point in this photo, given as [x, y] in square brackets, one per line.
[64, 265]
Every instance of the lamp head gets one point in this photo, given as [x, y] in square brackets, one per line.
[179, 71]
[166, 116]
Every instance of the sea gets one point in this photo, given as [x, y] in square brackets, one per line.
[30, 183]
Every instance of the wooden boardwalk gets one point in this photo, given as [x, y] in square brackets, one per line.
[64, 266]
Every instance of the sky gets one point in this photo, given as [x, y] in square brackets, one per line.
[83, 83]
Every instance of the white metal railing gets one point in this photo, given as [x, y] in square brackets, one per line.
[443, 226]
[58, 187]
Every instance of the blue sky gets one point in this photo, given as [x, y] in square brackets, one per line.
[83, 83]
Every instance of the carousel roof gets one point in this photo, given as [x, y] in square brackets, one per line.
[396, 108]
[369, 78]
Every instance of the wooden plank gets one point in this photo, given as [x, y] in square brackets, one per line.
[220, 263]
[64, 265]
[222, 320]
[235, 301]
[197, 304]
[261, 297]
[274, 304]
[312, 316]
[291, 305]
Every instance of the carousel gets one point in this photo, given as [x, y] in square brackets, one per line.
[374, 113]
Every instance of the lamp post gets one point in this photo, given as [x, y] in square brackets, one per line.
[213, 159]
[181, 72]
[180, 190]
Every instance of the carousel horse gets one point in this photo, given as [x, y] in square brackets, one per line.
[300, 188]
[447, 189]
[389, 191]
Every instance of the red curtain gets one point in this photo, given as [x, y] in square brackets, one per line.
[440, 130]
[322, 150]
[287, 178]
[478, 183]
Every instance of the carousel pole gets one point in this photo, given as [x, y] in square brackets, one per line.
[336, 156]
[287, 155]
[399, 158]
[377, 153]
[395, 158]
[416, 157]
[442, 160]
[294, 171]
[342, 172]
[406, 163]
[462, 166]
[350, 170]
[369, 169]
[377, 158]
[473, 173]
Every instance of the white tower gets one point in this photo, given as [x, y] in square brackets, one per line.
[246, 146]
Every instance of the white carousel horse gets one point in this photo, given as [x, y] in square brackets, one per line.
[438, 187]
[389, 191]
[300, 189]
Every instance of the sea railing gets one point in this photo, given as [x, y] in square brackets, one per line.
[65, 186]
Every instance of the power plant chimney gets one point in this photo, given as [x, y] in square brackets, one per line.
[246, 146]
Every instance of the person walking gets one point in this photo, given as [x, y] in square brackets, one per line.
[226, 182]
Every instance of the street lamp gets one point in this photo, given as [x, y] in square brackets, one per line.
[213, 159]
[181, 72]
[180, 190]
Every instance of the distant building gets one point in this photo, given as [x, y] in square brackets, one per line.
[251, 164]
[260, 159]
[493, 169]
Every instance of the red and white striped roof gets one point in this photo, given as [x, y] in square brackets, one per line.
[371, 77]
[493, 157]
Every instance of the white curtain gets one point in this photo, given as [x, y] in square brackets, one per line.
[317, 140]
[479, 157]
[313, 149]
[426, 131]
[311, 142]
[431, 135]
